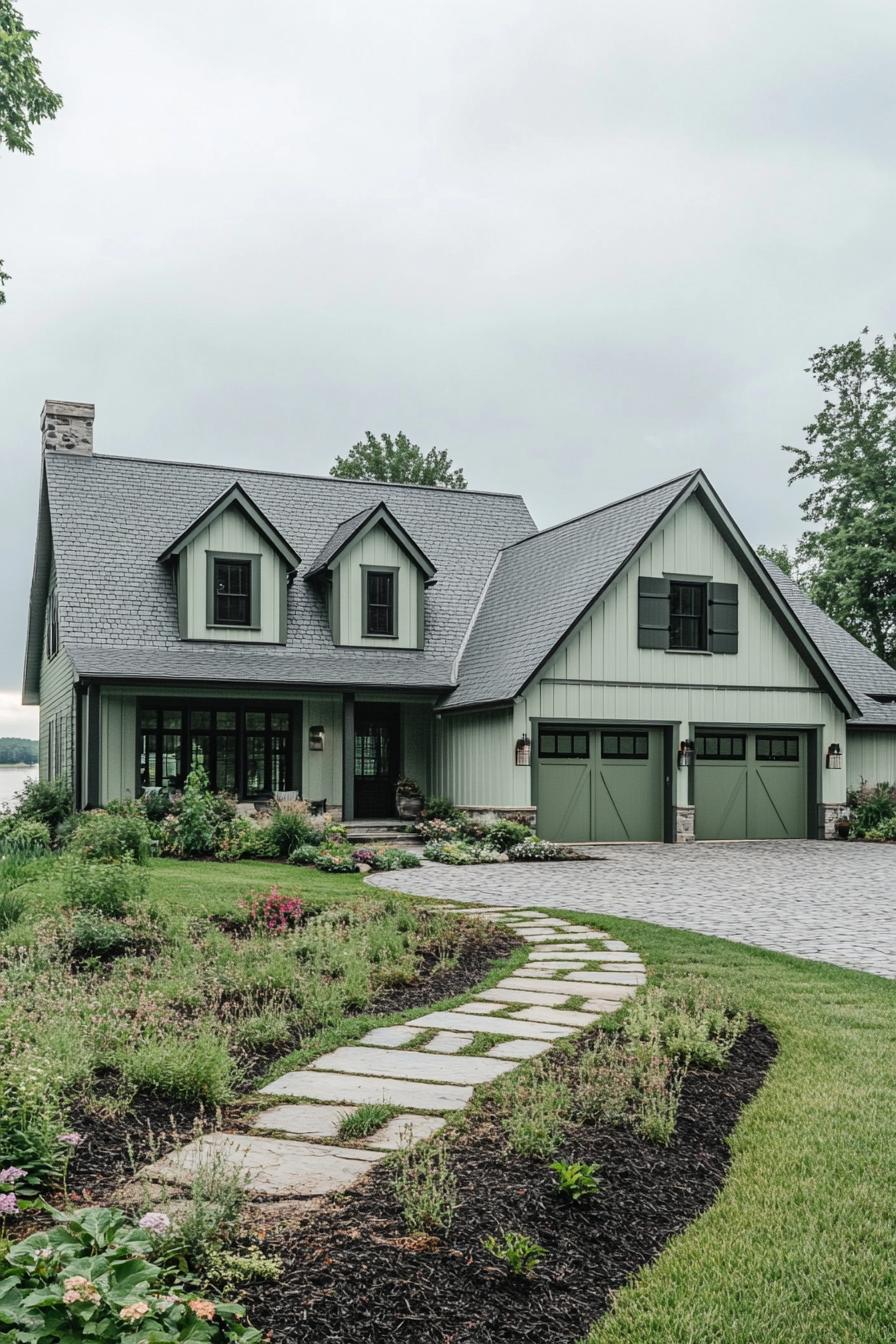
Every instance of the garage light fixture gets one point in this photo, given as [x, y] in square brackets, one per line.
[522, 754]
[316, 738]
[685, 754]
[834, 759]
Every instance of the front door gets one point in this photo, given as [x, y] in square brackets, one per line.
[376, 760]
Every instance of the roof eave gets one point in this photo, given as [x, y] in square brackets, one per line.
[367, 520]
[37, 599]
[234, 494]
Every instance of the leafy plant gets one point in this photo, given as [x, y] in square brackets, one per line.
[442, 809]
[504, 835]
[459, 852]
[31, 1121]
[156, 804]
[576, 1180]
[872, 806]
[365, 1120]
[437, 828]
[533, 850]
[425, 1187]
[46, 800]
[388, 459]
[94, 937]
[90, 1277]
[408, 788]
[230, 1270]
[201, 820]
[217, 1197]
[273, 912]
[107, 837]
[335, 859]
[519, 1253]
[192, 1068]
[535, 1106]
[111, 889]
[304, 855]
[291, 825]
[23, 835]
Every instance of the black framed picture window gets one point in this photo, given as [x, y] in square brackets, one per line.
[379, 602]
[558, 742]
[246, 750]
[625, 745]
[777, 748]
[720, 747]
[687, 616]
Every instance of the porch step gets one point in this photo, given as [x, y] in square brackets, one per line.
[385, 832]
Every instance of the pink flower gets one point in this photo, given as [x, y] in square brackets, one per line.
[9, 1175]
[156, 1222]
[134, 1312]
[73, 1140]
[8, 1205]
[203, 1309]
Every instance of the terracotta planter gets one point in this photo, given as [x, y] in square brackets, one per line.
[408, 806]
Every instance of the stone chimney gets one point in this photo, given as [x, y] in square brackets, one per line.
[67, 427]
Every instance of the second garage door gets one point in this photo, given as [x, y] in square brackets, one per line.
[600, 784]
[749, 786]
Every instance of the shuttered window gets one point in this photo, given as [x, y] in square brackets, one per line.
[687, 615]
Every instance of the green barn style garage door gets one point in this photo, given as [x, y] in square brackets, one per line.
[600, 783]
[749, 786]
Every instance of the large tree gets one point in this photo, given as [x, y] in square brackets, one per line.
[847, 557]
[398, 460]
[25, 100]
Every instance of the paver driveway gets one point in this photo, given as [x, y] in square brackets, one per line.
[824, 900]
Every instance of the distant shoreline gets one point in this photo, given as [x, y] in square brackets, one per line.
[19, 765]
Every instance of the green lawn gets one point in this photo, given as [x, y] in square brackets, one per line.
[800, 1246]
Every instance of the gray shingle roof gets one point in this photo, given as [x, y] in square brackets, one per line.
[343, 533]
[541, 585]
[861, 671]
[111, 515]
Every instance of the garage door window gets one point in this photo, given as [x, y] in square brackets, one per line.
[624, 746]
[777, 748]
[559, 744]
[721, 747]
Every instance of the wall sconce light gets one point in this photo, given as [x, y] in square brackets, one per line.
[316, 738]
[523, 750]
[685, 754]
[834, 759]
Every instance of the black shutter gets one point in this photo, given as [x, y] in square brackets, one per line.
[653, 613]
[722, 615]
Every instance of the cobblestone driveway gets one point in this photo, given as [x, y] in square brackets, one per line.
[826, 901]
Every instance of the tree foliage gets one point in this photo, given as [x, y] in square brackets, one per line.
[779, 555]
[399, 461]
[25, 99]
[847, 557]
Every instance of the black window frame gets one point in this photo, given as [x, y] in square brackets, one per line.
[638, 751]
[790, 754]
[701, 739]
[696, 622]
[373, 574]
[241, 593]
[51, 632]
[549, 735]
[218, 735]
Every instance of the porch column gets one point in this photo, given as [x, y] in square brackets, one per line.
[92, 763]
[348, 756]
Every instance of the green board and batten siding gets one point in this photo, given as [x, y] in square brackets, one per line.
[56, 707]
[231, 533]
[376, 549]
[870, 757]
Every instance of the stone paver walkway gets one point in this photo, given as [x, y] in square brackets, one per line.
[423, 1067]
[823, 900]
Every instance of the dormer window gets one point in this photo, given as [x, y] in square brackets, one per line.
[233, 592]
[380, 586]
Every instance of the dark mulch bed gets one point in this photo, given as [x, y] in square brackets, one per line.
[355, 1277]
[116, 1144]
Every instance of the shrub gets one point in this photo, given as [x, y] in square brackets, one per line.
[23, 835]
[576, 1180]
[116, 1285]
[201, 819]
[334, 859]
[197, 1068]
[504, 835]
[47, 800]
[885, 830]
[156, 804]
[459, 852]
[93, 937]
[534, 850]
[217, 1197]
[386, 859]
[291, 825]
[537, 1109]
[12, 907]
[425, 1187]
[273, 912]
[519, 1253]
[441, 809]
[104, 837]
[871, 805]
[230, 1270]
[304, 855]
[31, 1120]
[107, 888]
[604, 1082]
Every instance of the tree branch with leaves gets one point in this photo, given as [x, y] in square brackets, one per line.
[25, 99]
[398, 461]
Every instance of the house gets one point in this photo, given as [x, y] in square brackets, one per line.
[636, 673]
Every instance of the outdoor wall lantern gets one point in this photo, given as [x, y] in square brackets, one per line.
[523, 750]
[834, 760]
[316, 737]
[685, 754]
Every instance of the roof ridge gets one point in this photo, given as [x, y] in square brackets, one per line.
[290, 475]
[614, 503]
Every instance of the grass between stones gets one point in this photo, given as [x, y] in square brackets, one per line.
[800, 1245]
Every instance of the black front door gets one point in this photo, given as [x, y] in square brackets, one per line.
[376, 760]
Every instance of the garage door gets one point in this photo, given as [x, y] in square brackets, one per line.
[749, 786]
[600, 783]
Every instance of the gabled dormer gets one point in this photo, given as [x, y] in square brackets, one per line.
[231, 570]
[374, 575]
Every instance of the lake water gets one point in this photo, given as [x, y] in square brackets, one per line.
[12, 779]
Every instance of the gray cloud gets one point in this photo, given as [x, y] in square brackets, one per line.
[581, 246]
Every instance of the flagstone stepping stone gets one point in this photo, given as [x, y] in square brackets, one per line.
[588, 987]
[306, 1120]
[413, 1064]
[601, 1005]
[572, 954]
[614, 945]
[394, 1036]
[519, 1049]
[561, 1017]
[550, 987]
[270, 1166]
[460, 1020]
[350, 1088]
[449, 1042]
[609, 980]
[482, 1008]
[525, 995]
[403, 1131]
[547, 968]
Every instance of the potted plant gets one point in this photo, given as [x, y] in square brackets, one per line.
[408, 799]
[841, 826]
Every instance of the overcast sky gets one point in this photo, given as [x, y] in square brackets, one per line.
[582, 246]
